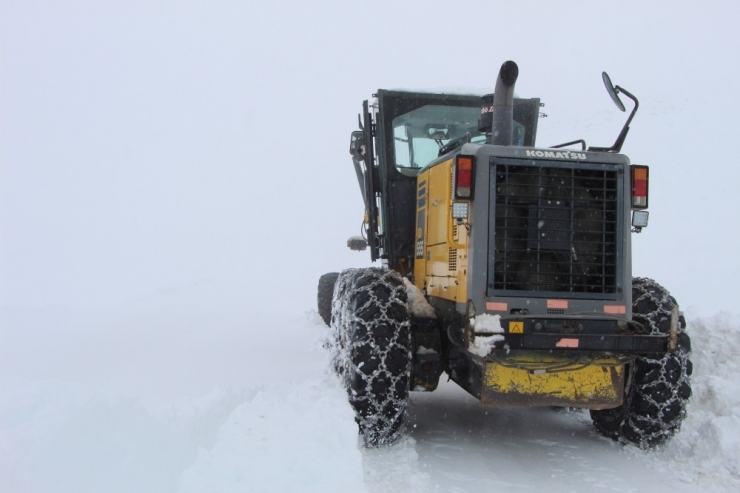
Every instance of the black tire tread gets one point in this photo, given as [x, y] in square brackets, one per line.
[372, 339]
[658, 388]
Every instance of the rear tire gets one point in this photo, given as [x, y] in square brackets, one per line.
[325, 295]
[657, 388]
[372, 341]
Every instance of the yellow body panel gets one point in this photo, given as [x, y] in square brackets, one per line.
[441, 269]
[595, 387]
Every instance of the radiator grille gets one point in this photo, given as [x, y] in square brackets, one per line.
[452, 260]
[555, 229]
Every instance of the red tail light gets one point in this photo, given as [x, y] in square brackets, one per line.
[464, 177]
[639, 187]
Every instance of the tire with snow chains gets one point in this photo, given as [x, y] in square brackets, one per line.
[372, 350]
[658, 388]
[326, 294]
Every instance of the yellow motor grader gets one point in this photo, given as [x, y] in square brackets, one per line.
[505, 265]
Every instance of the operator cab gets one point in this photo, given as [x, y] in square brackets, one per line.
[411, 130]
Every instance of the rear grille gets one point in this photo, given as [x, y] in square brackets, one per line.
[555, 229]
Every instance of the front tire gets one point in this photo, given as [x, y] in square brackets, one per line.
[658, 388]
[325, 295]
[372, 340]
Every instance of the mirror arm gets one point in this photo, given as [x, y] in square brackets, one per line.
[623, 134]
[360, 179]
[634, 100]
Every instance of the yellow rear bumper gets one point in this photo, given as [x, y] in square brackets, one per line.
[598, 386]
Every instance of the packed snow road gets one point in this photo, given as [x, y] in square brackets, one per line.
[151, 399]
[466, 447]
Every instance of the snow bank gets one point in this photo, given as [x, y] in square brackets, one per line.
[286, 429]
[63, 436]
[283, 437]
[709, 439]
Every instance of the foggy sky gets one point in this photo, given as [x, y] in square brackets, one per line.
[149, 148]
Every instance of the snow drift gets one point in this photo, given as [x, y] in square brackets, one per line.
[709, 439]
[297, 433]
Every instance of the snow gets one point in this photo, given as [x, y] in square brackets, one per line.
[710, 438]
[66, 430]
[487, 324]
[418, 305]
[281, 422]
[425, 350]
[482, 345]
[282, 437]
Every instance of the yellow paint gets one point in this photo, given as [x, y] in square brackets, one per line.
[451, 237]
[421, 263]
[516, 327]
[438, 202]
[433, 272]
[578, 386]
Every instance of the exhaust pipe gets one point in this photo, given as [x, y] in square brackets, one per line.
[497, 114]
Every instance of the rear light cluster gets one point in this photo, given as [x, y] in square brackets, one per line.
[640, 176]
[463, 174]
[639, 187]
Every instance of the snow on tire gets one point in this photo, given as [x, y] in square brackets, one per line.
[372, 350]
[658, 388]
[325, 295]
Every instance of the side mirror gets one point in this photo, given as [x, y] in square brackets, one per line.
[613, 91]
[357, 145]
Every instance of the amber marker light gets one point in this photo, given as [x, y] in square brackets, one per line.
[464, 177]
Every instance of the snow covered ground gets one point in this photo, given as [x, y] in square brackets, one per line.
[152, 399]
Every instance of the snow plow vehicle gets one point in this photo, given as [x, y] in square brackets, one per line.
[506, 266]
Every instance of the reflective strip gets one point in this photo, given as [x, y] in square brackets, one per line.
[562, 304]
[615, 309]
[567, 343]
[497, 306]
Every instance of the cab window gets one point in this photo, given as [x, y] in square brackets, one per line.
[419, 134]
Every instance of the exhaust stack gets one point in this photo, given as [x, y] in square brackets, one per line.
[497, 115]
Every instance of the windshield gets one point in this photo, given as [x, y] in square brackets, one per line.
[419, 134]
